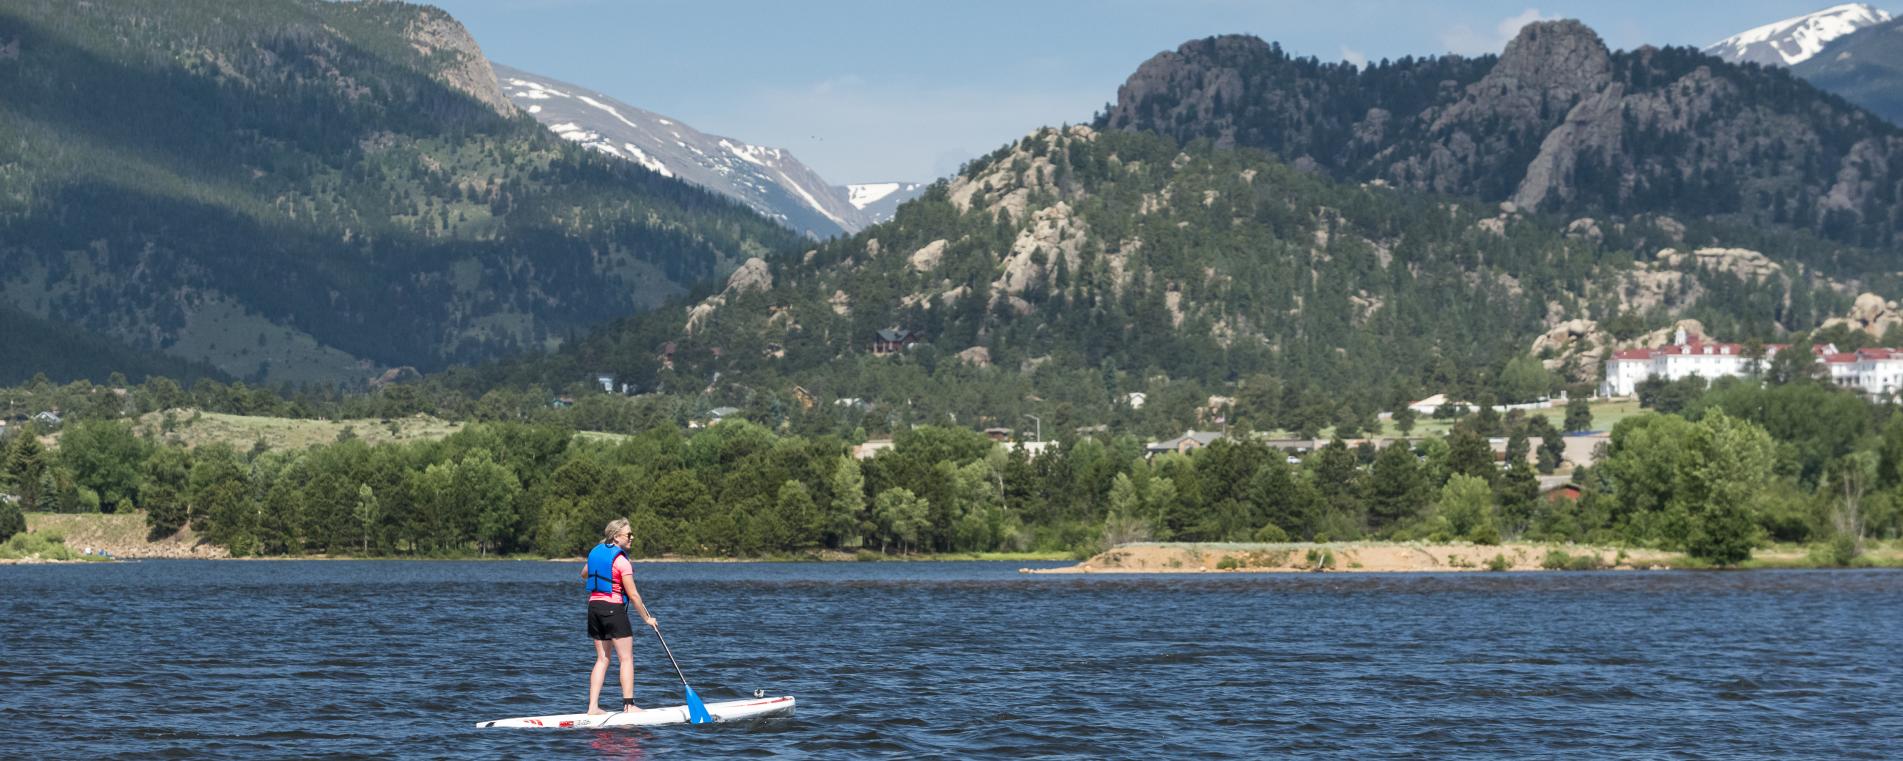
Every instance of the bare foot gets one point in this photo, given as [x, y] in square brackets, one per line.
[595, 711]
[628, 706]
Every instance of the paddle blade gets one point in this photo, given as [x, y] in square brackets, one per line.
[696, 710]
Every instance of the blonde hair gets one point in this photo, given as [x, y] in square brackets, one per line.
[614, 527]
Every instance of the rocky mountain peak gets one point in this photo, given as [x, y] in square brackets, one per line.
[1565, 58]
[1191, 82]
[433, 32]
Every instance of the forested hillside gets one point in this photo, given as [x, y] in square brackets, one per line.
[1062, 273]
[1556, 123]
[304, 190]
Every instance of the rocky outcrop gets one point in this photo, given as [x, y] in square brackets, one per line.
[927, 257]
[1557, 123]
[1054, 235]
[1745, 263]
[436, 34]
[1871, 314]
[976, 356]
[1574, 347]
[752, 276]
[1005, 186]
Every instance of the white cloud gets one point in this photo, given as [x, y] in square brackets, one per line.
[1465, 40]
[1354, 56]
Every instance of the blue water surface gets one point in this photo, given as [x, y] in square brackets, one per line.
[398, 659]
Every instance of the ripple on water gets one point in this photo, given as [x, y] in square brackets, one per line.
[337, 660]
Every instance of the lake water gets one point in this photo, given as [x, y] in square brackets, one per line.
[207, 659]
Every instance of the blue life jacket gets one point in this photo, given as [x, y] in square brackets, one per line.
[601, 569]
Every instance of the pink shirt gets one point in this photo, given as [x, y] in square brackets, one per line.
[622, 568]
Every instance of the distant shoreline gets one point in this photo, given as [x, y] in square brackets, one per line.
[1410, 557]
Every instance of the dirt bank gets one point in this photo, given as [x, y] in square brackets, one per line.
[121, 535]
[1354, 557]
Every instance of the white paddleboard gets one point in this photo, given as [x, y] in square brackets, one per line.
[732, 710]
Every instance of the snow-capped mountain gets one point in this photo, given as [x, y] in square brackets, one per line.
[1795, 40]
[768, 179]
[879, 199]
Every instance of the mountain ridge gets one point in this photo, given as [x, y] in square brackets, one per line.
[1557, 123]
[1794, 40]
[313, 191]
[769, 180]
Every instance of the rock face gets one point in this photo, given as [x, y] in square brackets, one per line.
[434, 32]
[1744, 263]
[1871, 314]
[752, 276]
[1557, 123]
[1004, 190]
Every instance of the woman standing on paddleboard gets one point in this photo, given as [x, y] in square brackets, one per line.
[610, 579]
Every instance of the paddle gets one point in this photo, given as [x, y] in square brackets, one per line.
[696, 710]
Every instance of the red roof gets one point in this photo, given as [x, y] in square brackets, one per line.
[1703, 348]
[1633, 354]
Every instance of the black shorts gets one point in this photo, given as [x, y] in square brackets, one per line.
[608, 620]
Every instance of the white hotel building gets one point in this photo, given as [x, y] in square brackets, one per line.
[1875, 372]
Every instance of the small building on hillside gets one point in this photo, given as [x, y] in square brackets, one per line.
[1429, 405]
[606, 381]
[998, 434]
[1032, 449]
[893, 340]
[1562, 493]
[1184, 443]
[872, 447]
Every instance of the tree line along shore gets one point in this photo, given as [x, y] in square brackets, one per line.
[1714, 473]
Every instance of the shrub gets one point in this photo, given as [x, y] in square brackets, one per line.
[1499, 563]
[1840, 551]
[1271, 533]
[1559, 560]
[45, 546]
[1228, 563]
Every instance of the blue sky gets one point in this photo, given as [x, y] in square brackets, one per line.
[865, 91]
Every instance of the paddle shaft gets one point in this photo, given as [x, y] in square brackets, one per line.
[670, 656]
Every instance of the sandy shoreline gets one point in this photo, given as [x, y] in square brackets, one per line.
[1359, 557]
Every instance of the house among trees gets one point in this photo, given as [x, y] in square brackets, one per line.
[998, 434]
[49, 418]
[893, 340]
[1184, 443]
[606, 381]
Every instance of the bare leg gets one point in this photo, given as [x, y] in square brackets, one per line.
[596, 676]
[624, 651]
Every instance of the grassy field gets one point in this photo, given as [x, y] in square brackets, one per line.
[194, 428]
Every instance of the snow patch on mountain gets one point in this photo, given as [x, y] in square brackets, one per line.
[1794, 40]
[769, 180]
[862, 195]
[878, 200]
